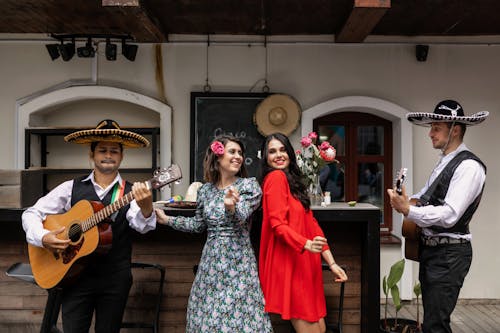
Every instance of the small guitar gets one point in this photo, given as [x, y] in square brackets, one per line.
[86, 232]
[410, 230]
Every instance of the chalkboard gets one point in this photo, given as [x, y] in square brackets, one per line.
[213, 114]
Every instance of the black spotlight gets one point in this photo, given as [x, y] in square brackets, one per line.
[67, 50]
[86, 51]
[110, 50]
[421, 52]
[53, 50]
[129, 51]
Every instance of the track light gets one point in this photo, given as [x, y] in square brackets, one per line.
[53, 50]
[67, 50]
[129, 51]
[86, 51]
[110, 50]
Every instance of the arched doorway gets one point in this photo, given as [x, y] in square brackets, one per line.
[35, 112]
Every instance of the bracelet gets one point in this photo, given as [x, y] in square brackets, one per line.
[332, 264]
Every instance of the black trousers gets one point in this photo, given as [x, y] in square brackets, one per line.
[442, 272]
[106, 294]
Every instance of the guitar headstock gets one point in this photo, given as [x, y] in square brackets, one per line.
[400, 179]
[165, 176]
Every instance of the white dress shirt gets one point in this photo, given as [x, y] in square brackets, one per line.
[58, 201]
[466, 184]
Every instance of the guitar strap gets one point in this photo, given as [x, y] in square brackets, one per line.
[118, 191]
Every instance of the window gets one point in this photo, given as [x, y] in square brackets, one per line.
[364, 149]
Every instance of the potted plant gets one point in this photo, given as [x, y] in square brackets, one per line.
[390, 285]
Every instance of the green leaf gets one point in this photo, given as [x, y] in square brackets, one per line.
[417, 289]
[396, 273]
[395, 297]
[384, 285]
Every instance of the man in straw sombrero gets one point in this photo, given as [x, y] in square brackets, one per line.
[443, 209]
[104, 283]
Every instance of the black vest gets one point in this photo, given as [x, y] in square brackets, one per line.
[119, 256]
[436, 193]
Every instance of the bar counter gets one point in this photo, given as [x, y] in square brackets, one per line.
[352, 233]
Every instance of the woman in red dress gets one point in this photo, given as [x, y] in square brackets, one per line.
[292, 243]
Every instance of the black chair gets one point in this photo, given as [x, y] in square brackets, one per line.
[22, 271]
[330, 327]
[154, 325]
[336, 328]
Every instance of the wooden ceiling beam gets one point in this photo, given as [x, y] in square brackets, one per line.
[153, 30]
[121, 3]
[364, 16]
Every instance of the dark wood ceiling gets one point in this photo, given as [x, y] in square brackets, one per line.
[347, 20]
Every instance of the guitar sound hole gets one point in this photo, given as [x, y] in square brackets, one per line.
[75, 232]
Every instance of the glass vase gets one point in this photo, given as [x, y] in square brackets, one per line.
[315, 192]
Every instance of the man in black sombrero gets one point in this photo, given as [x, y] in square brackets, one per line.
[443, 209]
[104, 284]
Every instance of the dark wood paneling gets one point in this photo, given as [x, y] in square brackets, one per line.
[352, 234]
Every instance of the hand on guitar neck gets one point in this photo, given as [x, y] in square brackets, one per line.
[400, 203]
[397, 195]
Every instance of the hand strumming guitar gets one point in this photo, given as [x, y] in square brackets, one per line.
[51, 242]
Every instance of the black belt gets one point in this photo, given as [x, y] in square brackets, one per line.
[440, 240]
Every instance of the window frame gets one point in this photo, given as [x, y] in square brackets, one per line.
[351, 120]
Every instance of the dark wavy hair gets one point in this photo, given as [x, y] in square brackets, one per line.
[293, 174]
[211, 172]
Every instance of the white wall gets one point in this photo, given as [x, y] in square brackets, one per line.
[312, 73]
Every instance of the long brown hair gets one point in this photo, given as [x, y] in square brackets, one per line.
[293, 174]
[211, 172]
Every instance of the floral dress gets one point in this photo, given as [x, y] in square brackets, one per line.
[226, 295]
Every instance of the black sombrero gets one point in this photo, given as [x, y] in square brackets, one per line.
[108, 130]
[447, 111]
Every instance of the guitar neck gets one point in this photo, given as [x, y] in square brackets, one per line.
[107, 211]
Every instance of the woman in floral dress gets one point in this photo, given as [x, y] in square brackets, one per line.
[226, 294]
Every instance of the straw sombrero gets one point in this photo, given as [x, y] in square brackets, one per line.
[447, 111]
[277, 113]
[108, 130]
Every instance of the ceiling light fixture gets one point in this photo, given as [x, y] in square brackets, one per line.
[53, 50]
[110, 50]
[66, 50]
[129, 51]
[86, 51]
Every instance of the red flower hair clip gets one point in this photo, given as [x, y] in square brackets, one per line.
[217, 148]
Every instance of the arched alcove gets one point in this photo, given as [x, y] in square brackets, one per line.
[402, 145]
[38, 111]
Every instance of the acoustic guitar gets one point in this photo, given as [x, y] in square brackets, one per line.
[87, 232]
[410, 231]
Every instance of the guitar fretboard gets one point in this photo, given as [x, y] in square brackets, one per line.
[95, 219]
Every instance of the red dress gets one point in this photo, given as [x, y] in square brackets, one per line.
[291, 277]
